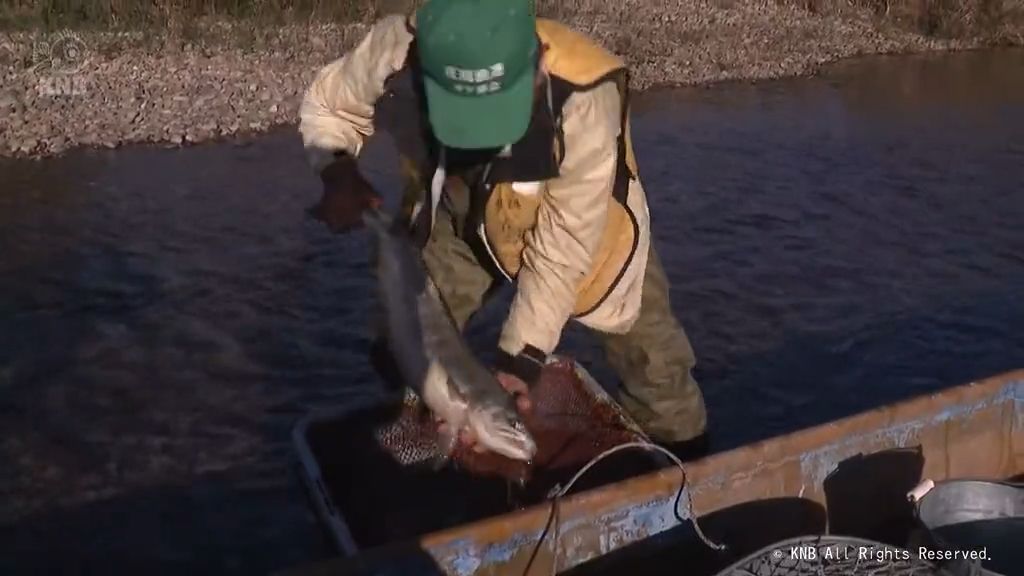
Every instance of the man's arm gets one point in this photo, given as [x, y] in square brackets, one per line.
[336, 114]
[559, 251]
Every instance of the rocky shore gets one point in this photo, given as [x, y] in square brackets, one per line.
[223, 79]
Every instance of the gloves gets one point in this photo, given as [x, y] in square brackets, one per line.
[526, 365]
[346, 195]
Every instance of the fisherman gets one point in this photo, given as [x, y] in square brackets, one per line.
[518, 166]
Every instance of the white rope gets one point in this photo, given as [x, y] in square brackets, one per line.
[558, 492]
[437, 186]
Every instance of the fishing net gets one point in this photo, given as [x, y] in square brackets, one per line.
[831, 556]
[573, 420]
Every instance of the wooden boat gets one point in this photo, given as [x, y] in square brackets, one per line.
[850, 476]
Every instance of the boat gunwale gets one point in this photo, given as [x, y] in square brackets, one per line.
[658, 486]
[500, 541]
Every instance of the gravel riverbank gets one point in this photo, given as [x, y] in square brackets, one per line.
[223, 79]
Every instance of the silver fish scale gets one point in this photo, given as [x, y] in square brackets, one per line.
[566, 400]
[419, 331]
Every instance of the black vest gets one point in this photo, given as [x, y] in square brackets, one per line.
[534, 157]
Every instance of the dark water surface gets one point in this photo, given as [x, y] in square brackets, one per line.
[834, 244]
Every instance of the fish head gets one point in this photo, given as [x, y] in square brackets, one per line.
[499, 429]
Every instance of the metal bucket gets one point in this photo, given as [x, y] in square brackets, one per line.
[976, 526]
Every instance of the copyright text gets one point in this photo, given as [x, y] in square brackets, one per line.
[877, 554]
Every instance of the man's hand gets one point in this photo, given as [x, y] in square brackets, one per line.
[517, 388]
[346, 196]
[513, 386]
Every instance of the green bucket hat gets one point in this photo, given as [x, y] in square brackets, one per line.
[479, 63]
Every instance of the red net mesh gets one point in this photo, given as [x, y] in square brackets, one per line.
[571, 423]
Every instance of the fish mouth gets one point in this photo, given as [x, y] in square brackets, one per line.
[499, 432]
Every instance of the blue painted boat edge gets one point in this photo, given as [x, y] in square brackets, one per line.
[465, 556]
[818, 464]
[619, 527]
[1018, 410]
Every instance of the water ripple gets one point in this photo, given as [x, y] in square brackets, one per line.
[833, 244]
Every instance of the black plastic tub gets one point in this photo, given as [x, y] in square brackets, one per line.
[363, 498]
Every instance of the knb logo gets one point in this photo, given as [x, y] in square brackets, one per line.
[65, 54]
[58, 62]
[803, 553]
[481, 81]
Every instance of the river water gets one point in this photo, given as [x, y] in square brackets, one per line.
[166, 315]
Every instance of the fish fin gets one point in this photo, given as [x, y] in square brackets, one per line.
[446, 442]
[411, 398]
[422, 411]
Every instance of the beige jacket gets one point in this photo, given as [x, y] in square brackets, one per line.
[337, 113]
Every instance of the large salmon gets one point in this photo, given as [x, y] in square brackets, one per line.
[426, 346]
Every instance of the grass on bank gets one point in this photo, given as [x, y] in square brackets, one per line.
[147, 14]
[940, 18]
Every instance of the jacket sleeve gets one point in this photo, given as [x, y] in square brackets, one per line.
[336, 114]
[559, 251]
